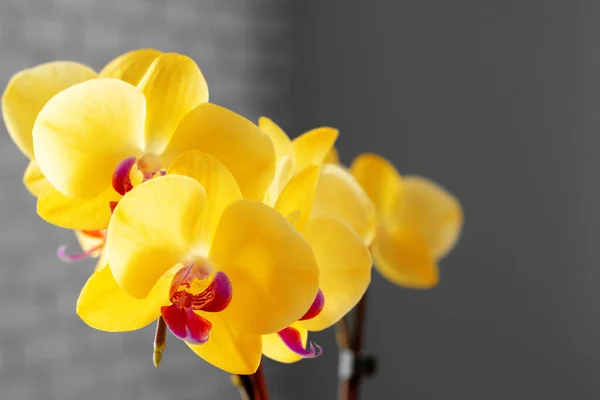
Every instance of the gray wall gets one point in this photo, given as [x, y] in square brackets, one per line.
[497, 100]
[500, 101]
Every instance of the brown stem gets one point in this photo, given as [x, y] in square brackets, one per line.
[252, 387]
[342, 334]
[245, 385]
[349, 388]
[260, 386]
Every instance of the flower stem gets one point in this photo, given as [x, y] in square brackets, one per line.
[349, 386]
[260, 386]
[245, 385]
[252, 387]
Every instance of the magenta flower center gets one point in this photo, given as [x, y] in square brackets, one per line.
[193, 289]
[149, 166]
[292, 338]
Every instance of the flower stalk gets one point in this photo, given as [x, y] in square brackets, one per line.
[355, 366]
[252, 387]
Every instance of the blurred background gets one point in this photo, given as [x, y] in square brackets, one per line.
[497, 100]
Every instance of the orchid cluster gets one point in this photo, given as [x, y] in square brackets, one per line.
[236, 238]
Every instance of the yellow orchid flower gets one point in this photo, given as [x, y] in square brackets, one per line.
[103, 129]
[328, 206]
[23, 98]
[221, 270]
[419, 222]
[29, 90]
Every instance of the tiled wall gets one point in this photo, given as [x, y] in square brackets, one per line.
[46, 352]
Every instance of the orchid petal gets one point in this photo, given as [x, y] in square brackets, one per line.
[103, 305]
[220, 186]
[131, 66]
[381, 181]
[83, 132]
[312, 147]
[232, 350]
[29, 90]
[173, 86]
[272, 268]
[405, 258]
[236, 142]
[339, 194]
[344, 268]
[431, 211]
[151, 230]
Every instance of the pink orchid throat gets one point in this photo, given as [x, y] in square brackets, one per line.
[149, 166]
[190, 292]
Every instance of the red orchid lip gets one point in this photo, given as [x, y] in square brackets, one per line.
[316, 307]
[121, 180]
[181, 317]
[186, 324]
[292, 339]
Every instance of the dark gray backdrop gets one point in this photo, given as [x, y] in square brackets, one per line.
[498, 100]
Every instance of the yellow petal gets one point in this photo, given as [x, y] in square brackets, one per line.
[332, 157]
[312, 147]
[432, 212]
[234, 351]
[298, 196]
[273, 271]
[404, 258]
[220, 186]
[131, 66]
[173, 86]
[381, 181]
[239, 144]
[281, 141]
[83, 132]
[67, 212]
[33, 179]
[28, 91]
[339, 194]
[274, 348]
[103, 305]
[151, 230]
[344, 267]
[101, 262]
[283, 173]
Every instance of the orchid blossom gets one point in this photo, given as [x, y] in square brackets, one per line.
[335, 216]
[146, 107]
[419, 222]
[220, 270]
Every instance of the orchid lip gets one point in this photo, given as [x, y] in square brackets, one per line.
[292, 339]
[316, 307]
[121, 179]
[148, 165]
[62, 255]
[99, 235]
[192, 291]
